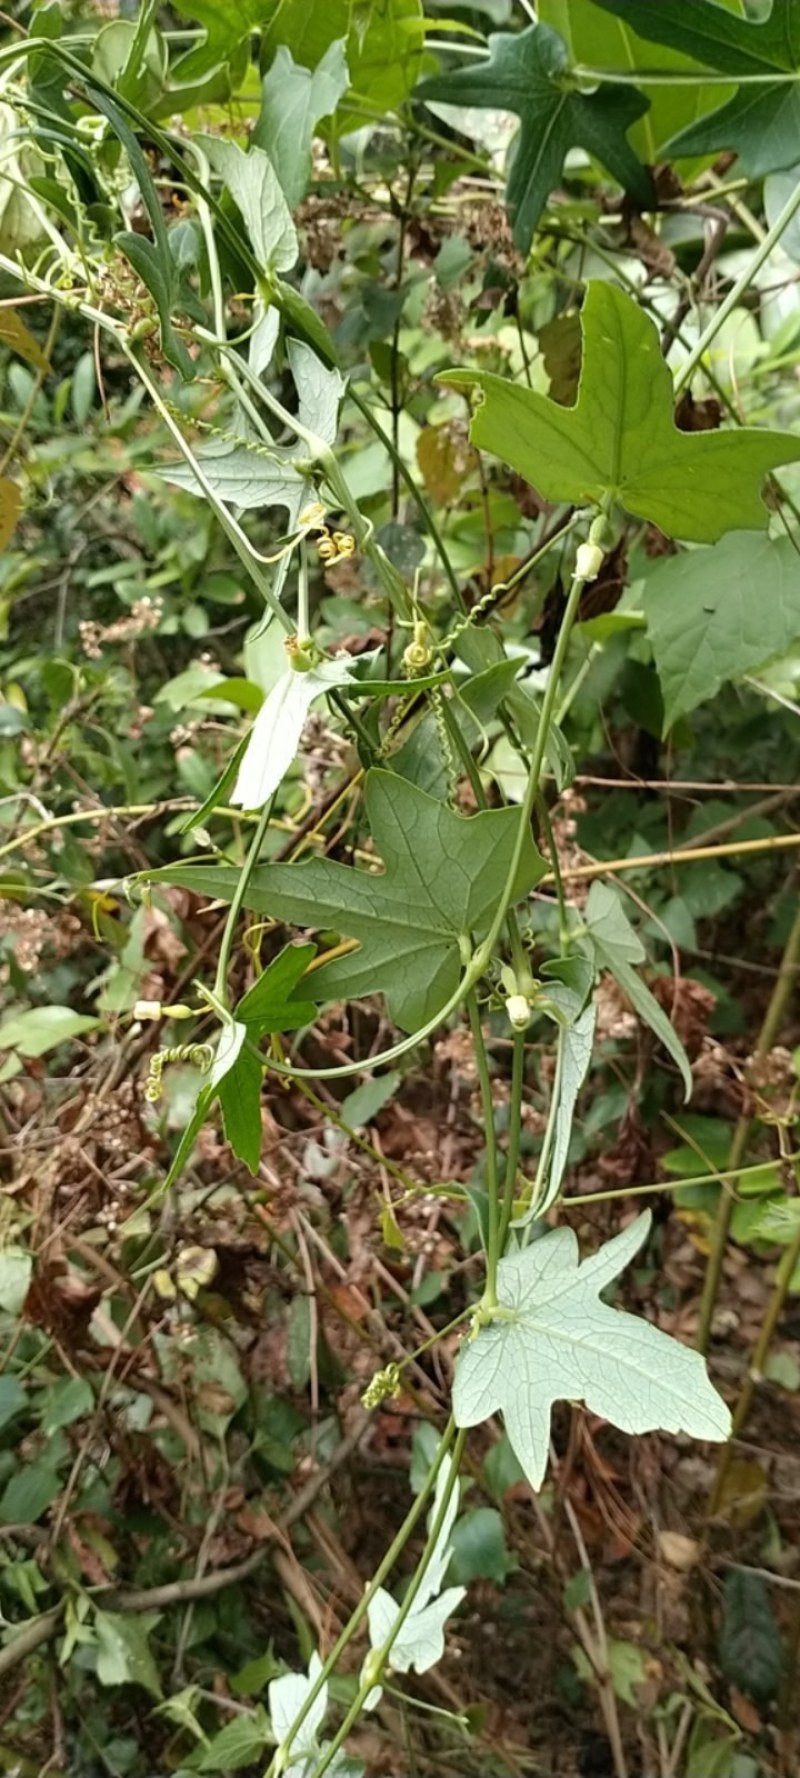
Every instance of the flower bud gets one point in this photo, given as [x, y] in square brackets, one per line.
[148, 1009]
[589, 560]
[519, 1012]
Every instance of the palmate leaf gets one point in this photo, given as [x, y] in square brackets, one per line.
[527, 73]
[557, 1341]
[596, 41]
[620, 441]
[761, 122]
[443, 875]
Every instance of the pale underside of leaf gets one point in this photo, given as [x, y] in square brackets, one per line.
[561, 1343]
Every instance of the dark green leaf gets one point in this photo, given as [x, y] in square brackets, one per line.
[442, 878]
[29, 1493]
[269, 1006]
[479, 1548]
[239, 1743]
[750, 1647]
[239, 1090]
[706, 627]
[715, 36]
[596, 41]
[151, 260]
[528, 74]
[761, 122]
[12, 1398]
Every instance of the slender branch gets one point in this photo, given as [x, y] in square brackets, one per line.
[743, 283]
[492, 1182]
[381, 1574]
[789, 1262]
[773, 1019]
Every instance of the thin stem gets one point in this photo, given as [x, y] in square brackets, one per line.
[303, 631]
[395, 1549]
[229, 526]
[737, 290]
[483, 955]
[755, 1370]
[492, 1181]
[676, 1185]
[381, 1656]
[773, 1019]
[423, 508]
[226, 943]
[514, 1138]
[537, 1189]
[663, 77]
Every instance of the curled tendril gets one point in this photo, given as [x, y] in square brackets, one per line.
[198, 1055]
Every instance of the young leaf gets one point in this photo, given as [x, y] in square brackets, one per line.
[275, 735]
[123, 1652]
[706, 627]
[384, 45]
[319, 388]
[236, 1075]
[576, 1054]
[443, 875]
[557, 1341]
[761, 122]
[620, 440]
[254, 186]
[615, 946]
[41, 1028]
[248, 476]
[527, 73]
[293, 101]
[420, 1641]
[239, 1743]
[287, 1696]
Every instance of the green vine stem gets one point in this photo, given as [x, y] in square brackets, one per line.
[742, 284]
[226, 943]
[514, 1139]
[384, 1569]
[785, 985]
[492, 1176]
[380, 1656]
[789, 1262]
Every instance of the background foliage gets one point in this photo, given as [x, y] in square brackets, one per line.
[353, 317]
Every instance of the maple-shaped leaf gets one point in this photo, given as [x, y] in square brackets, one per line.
[620, 439]
[528, 73]
[761, 123]
[415, 921]
[555, 1340]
